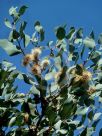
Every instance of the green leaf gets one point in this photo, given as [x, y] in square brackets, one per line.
[58, 62]
[32, 108]
[99, 77]
[12, 11]
[7, 23]
[92, 36]
[49, 43]
[60, 33]
[79, 69]
[22, 10]
[26, 40]
[66, 110]
[34, 90]
[84, 132]
[62, 131]
[100, 62]
[7, 64]
[79, 33]
[9, 47]
[78, 41]
[26, 79]
[58, 125]
[88, 42]
[90, 115]
[41, 132]
[52, 116]
[10, 38]
[15, 34]
[100, 132]
[12, 121]
[76, 122]
[37, 23]
[71, 33]
[100, 39]
[95, 56]
[22, 27]
[97, 116]
[50, 75]
[40, 30]
[82, 52]
[71, 48]
[82, 111]
[90, 131]
[98, 87]
[42, 35]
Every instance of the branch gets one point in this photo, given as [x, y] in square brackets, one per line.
[42, 113]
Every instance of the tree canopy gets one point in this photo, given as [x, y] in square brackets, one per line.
[65, 79]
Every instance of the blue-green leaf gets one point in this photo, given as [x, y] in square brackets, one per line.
[88, 42]
[9, 47]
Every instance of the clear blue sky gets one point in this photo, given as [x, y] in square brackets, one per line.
[78, 13]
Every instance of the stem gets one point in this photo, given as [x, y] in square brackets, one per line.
[42, 113]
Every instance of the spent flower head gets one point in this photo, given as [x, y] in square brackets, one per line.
[27, 59]
[36, 69]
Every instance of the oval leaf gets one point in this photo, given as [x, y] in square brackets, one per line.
[9, 47]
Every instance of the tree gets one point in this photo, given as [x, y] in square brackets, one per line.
[65, 79]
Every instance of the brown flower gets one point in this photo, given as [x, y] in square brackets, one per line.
[27, 59]
[86, 76]
[36, 52]
[36, 69]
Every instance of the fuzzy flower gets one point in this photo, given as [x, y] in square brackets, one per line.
[91, 90]
[45, 63]
[27, 59]
[86, 76]
[36, 52]
[36, 69]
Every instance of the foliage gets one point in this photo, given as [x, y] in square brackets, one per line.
[64, 84]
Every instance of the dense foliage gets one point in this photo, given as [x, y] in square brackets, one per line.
[65, 77]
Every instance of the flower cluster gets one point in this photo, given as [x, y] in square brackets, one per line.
[37, 66]
[83, 77]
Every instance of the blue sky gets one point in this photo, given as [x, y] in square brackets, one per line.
[51, 13]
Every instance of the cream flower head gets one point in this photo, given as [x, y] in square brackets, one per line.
[86, 76]
[45, 63]
[36, 69]
[36, 51]
[27, 59]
